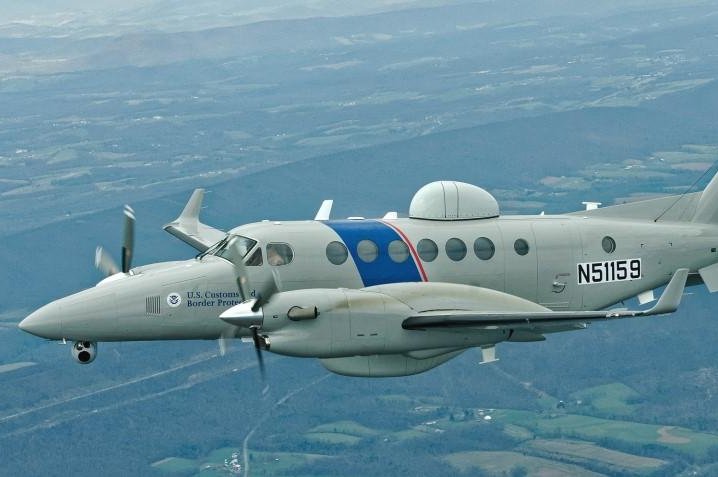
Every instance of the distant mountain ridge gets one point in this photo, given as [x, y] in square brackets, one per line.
[125, 41]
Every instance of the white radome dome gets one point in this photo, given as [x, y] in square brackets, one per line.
[451, 200]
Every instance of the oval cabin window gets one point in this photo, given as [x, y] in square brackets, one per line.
[427, 250]
[608, 244]
[398, 251]
[367, 251]
[484, 248]
[337, 253]
[521, 246]
[279, 254]
[455, 249]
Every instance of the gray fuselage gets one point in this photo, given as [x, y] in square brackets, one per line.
[183, 300]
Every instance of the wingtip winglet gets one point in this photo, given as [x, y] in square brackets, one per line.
[671, 297]
[189, 229]
[193, 207]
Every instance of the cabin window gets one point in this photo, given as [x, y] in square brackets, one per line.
[398, 251]
[255, 260]
[367, 251]
[608, 244]
[455, 249]
[521, 246]
[279, 254]
[484, 248]
[337, 253]
[427, 249]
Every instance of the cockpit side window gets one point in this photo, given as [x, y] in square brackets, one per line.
[255, 260]
[233, 248]
[279, 254]
[243, 245]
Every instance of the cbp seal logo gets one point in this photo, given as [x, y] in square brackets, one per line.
[174, 300]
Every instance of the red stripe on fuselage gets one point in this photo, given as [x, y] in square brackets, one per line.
[406, 240]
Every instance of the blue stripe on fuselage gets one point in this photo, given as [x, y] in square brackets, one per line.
[383, 269]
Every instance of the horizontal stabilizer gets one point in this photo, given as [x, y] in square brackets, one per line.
[709, 275]
[675, 208]
[667, 303]
[190, 230]
[707, 210]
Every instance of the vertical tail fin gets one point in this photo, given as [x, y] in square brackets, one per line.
[707, 210]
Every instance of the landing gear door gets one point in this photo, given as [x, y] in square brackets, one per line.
[558, 245]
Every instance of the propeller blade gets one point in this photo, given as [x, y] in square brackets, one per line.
[260, 359]
[242, 282]
[223, 340]
[240, 272]
[222, 346]
[105, 263]
[264, 294]
[128, 242]
[258, 349]
[263, 290]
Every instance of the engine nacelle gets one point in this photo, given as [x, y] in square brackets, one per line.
[348, 323]
[84, 352]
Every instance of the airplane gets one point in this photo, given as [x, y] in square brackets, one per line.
[397, 296]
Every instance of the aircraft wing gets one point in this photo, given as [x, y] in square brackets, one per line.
[190, 230]
[668, 303]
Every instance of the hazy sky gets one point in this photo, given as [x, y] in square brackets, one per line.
[13, 10]
[178, 15]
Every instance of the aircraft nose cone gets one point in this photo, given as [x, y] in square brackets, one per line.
[44, 323]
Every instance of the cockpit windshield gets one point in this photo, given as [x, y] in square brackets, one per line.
[232, 247]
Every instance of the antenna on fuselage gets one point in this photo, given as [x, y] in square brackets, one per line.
[325, 210]
[695, 183]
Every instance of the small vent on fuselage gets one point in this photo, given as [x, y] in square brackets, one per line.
[153, 305]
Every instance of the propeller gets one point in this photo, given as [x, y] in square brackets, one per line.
[223, 340]
[104, 261]
[128, 242]
[263, 291]
[258, 348]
